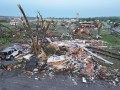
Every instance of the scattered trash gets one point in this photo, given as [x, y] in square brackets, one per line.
[28, 56]
[31, 64]
[36, 78]
[84, 80]
[102, 72]
[51, 74]
[71, 57]
[74, 81]
[35, 70]
[57, 62]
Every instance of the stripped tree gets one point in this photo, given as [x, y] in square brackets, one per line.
[39, 34]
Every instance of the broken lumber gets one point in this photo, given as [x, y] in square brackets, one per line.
[99, 57]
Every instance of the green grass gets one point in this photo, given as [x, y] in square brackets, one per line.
[110, 39]
[5, 40]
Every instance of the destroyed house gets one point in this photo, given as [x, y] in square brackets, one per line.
[88, 25]
[115, 31]
[85, 28]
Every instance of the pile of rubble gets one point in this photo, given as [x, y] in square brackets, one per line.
[71, 57]
[77, 57]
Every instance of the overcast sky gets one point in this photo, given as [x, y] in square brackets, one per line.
[62, 8]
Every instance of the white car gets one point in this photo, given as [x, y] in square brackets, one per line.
[10, 53]
[15, 53]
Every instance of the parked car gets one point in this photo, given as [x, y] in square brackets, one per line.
[9, 53]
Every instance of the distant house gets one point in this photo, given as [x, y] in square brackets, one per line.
[85, 29]
[15, 21]
[83, 26]
[115, 31]
[88, 25]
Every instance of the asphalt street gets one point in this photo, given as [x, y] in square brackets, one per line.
[58, 82]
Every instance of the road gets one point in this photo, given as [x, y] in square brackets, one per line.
[58, 82]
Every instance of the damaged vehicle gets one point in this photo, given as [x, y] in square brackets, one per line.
[9, 53]
[7, 58]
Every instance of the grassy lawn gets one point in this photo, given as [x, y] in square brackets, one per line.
[110, 39]
[5, 40]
